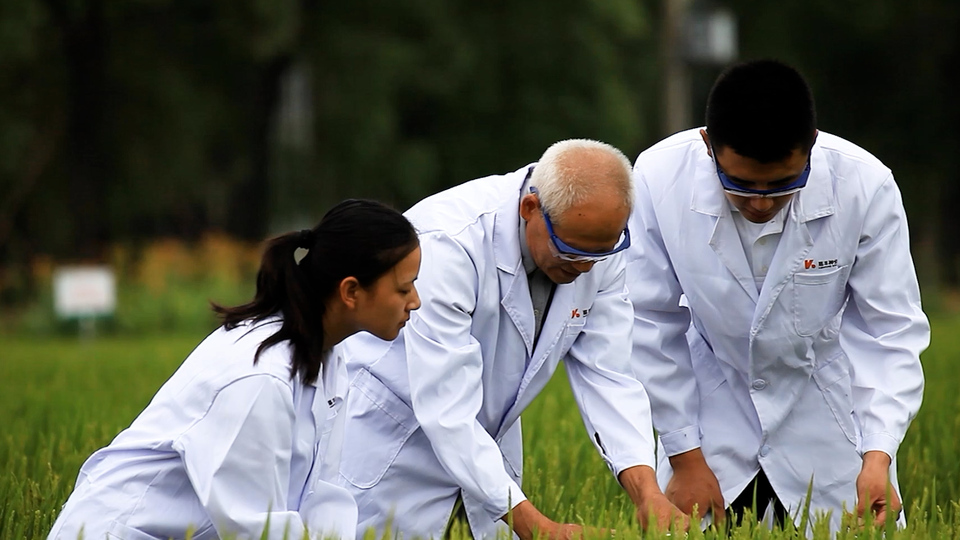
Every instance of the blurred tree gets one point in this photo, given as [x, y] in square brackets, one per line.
[31, 126]
[160, 117]
[418, 96]
[81, 32]
[130, 120]
[121, 121]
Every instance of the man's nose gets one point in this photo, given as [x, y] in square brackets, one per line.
[583, 266]
[761, 204]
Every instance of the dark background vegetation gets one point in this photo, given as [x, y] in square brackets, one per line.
[122, 122]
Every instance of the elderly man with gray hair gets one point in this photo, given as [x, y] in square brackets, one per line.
[519, 272]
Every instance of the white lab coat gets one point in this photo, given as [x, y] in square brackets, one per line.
[225, 447]
[803, 377]
[436, 413]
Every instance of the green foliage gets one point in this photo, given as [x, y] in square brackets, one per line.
[124, 121]
[180, 103]
[62, 399]
[433, 93]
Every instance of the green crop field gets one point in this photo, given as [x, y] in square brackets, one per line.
[61, 399]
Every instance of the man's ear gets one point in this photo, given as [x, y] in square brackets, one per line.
[706, 141]
[529, 204]
[349, 291]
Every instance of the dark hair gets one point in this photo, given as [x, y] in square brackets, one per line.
[763, 110]
[358, 238]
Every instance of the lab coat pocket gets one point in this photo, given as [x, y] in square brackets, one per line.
[570, 333]
[833, 378]
[817, 298]
[119, 531]
[378, 423]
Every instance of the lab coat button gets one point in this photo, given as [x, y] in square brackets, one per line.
[764, 450]
[759, 384]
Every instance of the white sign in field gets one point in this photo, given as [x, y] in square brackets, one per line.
[83, 291]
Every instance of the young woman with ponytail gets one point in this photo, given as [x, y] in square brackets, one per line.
[243, 441]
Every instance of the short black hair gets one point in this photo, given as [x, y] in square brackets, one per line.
[762, 109]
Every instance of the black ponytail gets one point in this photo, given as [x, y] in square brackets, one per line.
[358, 238]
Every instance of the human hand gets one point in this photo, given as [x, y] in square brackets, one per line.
[563, 531]
[694, 484]
[659, 513]
[874, 490]
[653, 507]
[530, 524]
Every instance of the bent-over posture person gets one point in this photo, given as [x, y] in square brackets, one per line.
[520, 272]
[788, 250]
[244, 439]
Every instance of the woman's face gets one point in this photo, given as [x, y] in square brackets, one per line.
[385, 306]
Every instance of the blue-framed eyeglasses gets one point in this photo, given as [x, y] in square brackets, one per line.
[734, 188]
[566, 252]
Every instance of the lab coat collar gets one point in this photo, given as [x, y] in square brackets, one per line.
[328, 379]
[555, 322]
[529, 265]
[814, 201]
[795, 243]
[514, 290]
[817, 199]
[506, 226]
[277, 320]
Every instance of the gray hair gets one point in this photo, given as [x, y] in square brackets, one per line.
[563, 185]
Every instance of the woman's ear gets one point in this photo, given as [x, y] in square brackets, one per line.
[349, 291]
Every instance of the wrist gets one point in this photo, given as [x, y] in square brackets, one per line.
[526, 521]
[688, 460]
[876, 459]
[640, 483]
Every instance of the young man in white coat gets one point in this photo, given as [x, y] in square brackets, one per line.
[788, 250]
[519, 272]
